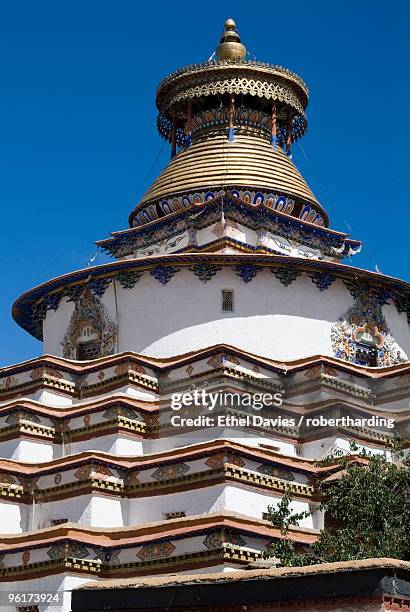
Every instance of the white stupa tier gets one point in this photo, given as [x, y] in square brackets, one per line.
[228, 282]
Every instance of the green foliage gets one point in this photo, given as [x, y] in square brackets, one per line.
[368, 506]
[281, 515]
[282, 518]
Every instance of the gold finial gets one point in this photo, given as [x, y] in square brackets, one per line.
[230, 46]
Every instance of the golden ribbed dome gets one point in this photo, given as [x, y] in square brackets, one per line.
[214, 162]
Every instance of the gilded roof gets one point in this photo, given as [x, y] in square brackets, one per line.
[214, 162]
[239, 77]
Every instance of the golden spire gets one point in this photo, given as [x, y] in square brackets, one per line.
[230, 46]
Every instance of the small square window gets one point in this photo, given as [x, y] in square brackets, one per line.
[227, 300]
[172, 515]
[275, 449]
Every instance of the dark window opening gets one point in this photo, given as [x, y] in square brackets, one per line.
[366, 355]
[60, 521]
[173, 515]
[88, 350]
[227, 300]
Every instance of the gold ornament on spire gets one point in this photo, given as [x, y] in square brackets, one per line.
[230, 46]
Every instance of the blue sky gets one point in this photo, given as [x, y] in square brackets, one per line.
[78, 135]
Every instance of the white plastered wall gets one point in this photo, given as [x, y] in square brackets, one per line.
[269, 319]
[206, 500]
[47, 584]
[93, 510]
[13, 517]
[105, 511]
[30, 451]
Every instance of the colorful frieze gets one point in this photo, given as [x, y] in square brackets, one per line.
[126, 411]
[39, 373]
[361, 335]
[151, 420]
[218, 537]
[7, 479]
[52, 301]
[16, 416]
[29, 483]
[108, 557]
[88, 471]
[205, 271]
[62, 550]
[309, 214]
[317, 371]
[214, 118]
[322, 280]
[159, 550]
[176, 203]
[265, 220]
[38, 314]
[220, 459]
[25, 557]
[402, 304]
[227, 228]
[286, 275]
[216, 361]
[99, 285]
[286, 246]
[168, 472]
[247, 271]
[89, 324]
[273, 470]
[163, 247]
[163, 274]
[129, 278]
[124, 368]
[61, 425]
[129, 477]
[8, 382]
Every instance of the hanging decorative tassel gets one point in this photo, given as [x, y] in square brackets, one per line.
[173, 135]
[188, 127]
[289, 137]
[223, 223]
[274, 137]
[231, 119]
